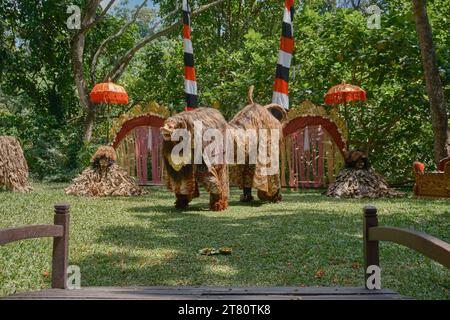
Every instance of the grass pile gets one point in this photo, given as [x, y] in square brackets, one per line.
[104, 177]
[13, 166]
[360, 183]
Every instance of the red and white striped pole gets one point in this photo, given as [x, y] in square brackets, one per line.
[280, 88]
[190, 83]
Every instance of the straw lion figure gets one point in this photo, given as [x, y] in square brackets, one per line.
[248, 175]
[184, 178]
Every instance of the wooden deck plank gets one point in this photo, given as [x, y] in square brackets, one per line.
[225, 297]
[219, 291]
[207, 293]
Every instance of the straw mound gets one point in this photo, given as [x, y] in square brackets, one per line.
[13, 166]
[360, 183]
[115, 181]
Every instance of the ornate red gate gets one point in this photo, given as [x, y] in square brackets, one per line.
[138, 146]
[314, 147]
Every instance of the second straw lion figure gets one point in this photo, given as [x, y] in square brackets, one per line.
[183, 176]
[263, 125]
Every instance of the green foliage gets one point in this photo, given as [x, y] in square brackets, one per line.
[235, 46]
[38, 100]
[393, 126]
[332, 46]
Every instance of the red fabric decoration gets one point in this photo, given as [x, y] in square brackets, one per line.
[142, 154]
[301, 122]
[343, 92]
[109, 92]
[419, 167]
[144, 120]
[321, 162]
[442, 163]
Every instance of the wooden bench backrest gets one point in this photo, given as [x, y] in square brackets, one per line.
[427, 245]
[59, 231]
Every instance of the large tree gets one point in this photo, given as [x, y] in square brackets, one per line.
[92, 15]
[438, 104]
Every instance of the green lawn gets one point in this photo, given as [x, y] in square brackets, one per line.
[307, 240]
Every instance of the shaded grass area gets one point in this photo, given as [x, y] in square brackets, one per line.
[307, 240]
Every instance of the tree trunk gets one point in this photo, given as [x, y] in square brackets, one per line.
[89, 121]
[438, 105]
[77, 52]
[82, 89]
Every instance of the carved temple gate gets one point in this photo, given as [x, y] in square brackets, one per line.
[313, 152]
[138, 145]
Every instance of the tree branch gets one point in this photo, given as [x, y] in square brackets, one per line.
[77, 54]
[123, 62]
[112, 37]
[131, 106]
[92, 10]
[381, 130]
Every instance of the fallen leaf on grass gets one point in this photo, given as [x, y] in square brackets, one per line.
[214, 251]
[319, 274]
[208, 251]
[225, 250]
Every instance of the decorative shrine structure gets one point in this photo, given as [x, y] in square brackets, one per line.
[311, 157]
[138, 143]
[315, 142]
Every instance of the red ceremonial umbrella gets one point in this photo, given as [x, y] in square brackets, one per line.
[343, 93]
[109, 93]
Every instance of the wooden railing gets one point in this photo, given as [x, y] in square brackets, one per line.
[59, 231]
[427, 245]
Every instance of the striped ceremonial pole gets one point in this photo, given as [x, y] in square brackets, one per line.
[190, 83]
[280, 89]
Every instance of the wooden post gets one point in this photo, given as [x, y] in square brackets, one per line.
[371, 250]
[61, 248]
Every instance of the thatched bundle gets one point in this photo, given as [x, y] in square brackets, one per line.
[13, 166]
[357, 180]
[104, 178]
[360, 183]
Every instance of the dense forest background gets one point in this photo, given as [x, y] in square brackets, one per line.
[235, 46]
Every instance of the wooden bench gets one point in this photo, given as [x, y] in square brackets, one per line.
[59, 231]
[427, 245]
[432, 247]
